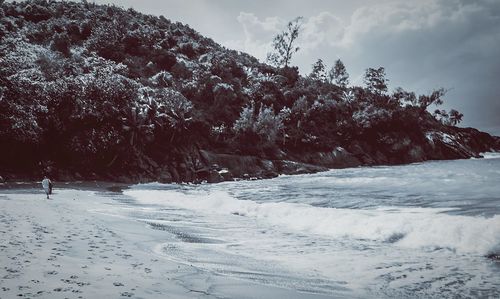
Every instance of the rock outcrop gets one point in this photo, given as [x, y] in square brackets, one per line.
[200, 165]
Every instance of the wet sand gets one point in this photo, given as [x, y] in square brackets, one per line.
[65, 248]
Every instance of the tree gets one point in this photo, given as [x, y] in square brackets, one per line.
[318, 72]
[106, 42]
[370, 116]
[375, 80]
[268, 125]
[36, 12]
[338, 74]
[435, 98]
[451, 118]
[168, 109]
[284, 44]
[403, 97]
[442, 116]
[61, 43]
[455, 117]
[263, 123]
[246, 120]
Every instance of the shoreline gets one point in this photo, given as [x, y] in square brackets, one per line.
[104, 184]
[65, 248]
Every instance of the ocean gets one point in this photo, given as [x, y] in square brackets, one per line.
[422, 230]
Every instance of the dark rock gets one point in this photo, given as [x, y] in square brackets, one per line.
[175, 175]
[494, 256]
[215, 167]
[360, 151]
[248, 167]
[186, 172]
[165, 177]
[267, 165]
[202, 173]
[416, 154]
[214, 177]
[399, 144]
[270, 174]
[291, 167]
[237, 165]
[280, 155]
[380, 158]
[144, 178]
[226, 174]
[447, 146]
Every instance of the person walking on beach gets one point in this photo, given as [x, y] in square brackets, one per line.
[46, 184]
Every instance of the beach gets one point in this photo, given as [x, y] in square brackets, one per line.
[424, 230]
[67, 247]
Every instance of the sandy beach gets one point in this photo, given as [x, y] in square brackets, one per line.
[66, 247]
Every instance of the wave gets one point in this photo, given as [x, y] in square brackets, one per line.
[490, 155]
[407, 227]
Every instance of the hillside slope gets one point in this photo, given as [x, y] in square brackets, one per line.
[98, 92]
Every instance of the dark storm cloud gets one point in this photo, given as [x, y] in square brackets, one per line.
[422, 44]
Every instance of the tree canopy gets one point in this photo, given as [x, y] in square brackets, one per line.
[284, 44]
[99, 88]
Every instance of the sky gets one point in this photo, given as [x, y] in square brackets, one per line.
[422, 44]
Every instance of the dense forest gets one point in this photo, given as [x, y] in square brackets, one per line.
[98, 92]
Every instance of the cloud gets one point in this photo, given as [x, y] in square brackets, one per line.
[425, 15]
[256, 29]
[323, 29]
[258, 34]
[422, 44]
[428, 44]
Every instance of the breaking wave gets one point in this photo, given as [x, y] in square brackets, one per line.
[407, 227]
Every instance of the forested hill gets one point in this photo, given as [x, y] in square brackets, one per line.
[98, 92]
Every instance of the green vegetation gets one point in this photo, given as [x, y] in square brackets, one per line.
[284, 44]
[96, 88]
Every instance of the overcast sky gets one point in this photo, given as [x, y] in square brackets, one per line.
[423, 44]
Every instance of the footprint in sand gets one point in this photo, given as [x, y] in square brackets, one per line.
[62, 289]
[127, 294]
[52, 272]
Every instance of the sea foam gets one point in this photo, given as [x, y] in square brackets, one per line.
[407, 227]
[490, 155]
